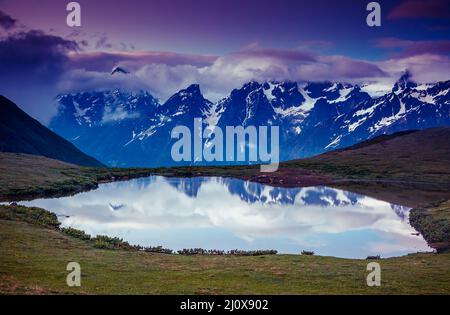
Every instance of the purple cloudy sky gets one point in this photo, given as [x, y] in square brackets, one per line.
[169, 44]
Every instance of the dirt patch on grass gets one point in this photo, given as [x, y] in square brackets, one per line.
[11, 286]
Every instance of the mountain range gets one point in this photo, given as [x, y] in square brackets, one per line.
[122, 128]
[19, 133]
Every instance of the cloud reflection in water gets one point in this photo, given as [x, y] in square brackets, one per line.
[229, 213]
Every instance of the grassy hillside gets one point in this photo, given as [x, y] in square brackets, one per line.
[24, 176]
[19, 133]
[35, 255]
[419, 157]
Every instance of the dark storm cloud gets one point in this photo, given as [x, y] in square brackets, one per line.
[421, 9]
[6, 21]
[34, 52]
[32, 64]
[285, 54]
[409, 48]
[105, 61]
[103, 42]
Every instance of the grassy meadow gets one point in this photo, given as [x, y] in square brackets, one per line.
[34, 259]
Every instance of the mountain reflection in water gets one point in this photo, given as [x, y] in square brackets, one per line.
[223, 213]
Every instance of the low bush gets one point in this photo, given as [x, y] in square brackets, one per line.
[43, 217]
[101, 244]
[106, 242]
[237, 252]
[31, 215]
[76, 233]
[157, 249]
[234, 252]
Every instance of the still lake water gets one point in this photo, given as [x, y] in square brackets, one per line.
[221, 213]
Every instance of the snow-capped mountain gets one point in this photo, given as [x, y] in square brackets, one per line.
[180, 109]
[132, 129]
[99, 122]
[151, 146]
[408, 106]
[127, 128]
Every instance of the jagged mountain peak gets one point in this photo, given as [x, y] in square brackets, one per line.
[283, 95]
[405, 77]
[188, 103]
[326, 88]
[404, 82]
[251, 85]
[191, 92]
[193, 88]
[243, 91]
[280, 87]
[118, 69]
[81, 112]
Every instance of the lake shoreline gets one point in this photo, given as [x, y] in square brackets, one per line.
[432, 244]
[76, 180]
[283, 178]
[44, 218]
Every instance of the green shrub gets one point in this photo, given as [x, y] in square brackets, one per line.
[234, 252]
[76, 233]
[101, 244]
[106, 242]
[157, 249]
[31, 215]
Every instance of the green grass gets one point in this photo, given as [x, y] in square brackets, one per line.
[32, 215]
[45, 218]
[34, 260]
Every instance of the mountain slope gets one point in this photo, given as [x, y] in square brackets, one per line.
[19, 133]
[416, 156]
